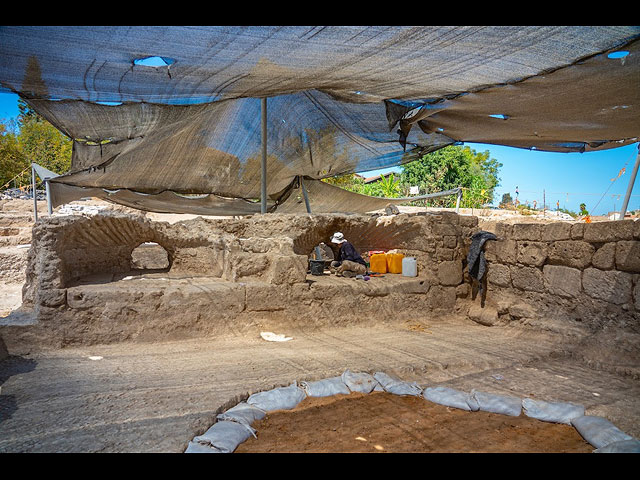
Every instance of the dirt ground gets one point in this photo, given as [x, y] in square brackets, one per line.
[381, 422]
[155, 397]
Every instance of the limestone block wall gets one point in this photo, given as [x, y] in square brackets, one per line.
[254, 269]
[587, 273]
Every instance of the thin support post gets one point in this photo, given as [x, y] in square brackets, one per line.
[33, 191]
[305, 195]
[48, 190]
[632, 180]
[458, 198]
[263, 178]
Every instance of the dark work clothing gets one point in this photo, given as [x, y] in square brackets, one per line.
[348, 252]
[475, 258]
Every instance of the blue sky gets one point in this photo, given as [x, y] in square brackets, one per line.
[568, 178]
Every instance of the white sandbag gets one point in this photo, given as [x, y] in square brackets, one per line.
[555, 412]
[282, 398]
[359, 382]
[624, 446]
[395, 386]
[225, 436]
[243, 413]
[502, 404]
[599, 431]
[195, 447]
[325, 388]
[450, 398]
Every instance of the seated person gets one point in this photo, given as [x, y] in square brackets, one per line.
[348, 261]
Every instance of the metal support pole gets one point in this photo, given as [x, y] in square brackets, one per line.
[458, 200]
[33, 189]
[263, 178]
[49, 207]
[632, 180]
[305, 195]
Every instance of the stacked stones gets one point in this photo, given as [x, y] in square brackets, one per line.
[582, 268]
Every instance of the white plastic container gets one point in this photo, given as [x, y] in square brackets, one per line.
[409, 267]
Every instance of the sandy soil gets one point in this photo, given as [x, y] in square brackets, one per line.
[381, 422]
[155, 397]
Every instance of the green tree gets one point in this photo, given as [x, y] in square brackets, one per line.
[12, 160]
[41, 142]
[506, 200]
[451, 167]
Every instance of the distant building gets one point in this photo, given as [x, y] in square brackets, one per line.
[378, 177]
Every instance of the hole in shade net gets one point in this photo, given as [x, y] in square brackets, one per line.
[500, 116]
[154, 61]
[620, 54]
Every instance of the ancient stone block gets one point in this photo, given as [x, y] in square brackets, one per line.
[499, 274]
[562, 281]
[605, 257]
[527, 231]
[53, 297]
[450, 241]
[462, 290]
[556, 231]
[441, 298]
[572, 253]
[149, 256]
[609, 231]
[609, 285]
[501, 251]
[444, 253]
[527, 278]
[288, 269]
[531, 253]
[487, 316]
[468, 221]
[628, 256]
[266, 297]
[577, 231]
[441, 229]
[450, 272]
[247, 265]
[503, 230]
[636, 295]
[520, 310]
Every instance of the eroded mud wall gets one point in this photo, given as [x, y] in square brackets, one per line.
[253, 269]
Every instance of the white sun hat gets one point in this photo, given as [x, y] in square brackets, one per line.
[338, 237]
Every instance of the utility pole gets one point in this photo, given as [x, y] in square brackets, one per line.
[263, 178]
[632, 180]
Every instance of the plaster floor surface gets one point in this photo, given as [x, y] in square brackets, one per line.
[155, 397]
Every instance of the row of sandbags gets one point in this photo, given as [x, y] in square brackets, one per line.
[234, 425]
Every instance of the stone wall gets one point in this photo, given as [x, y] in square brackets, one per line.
[248, 270]
[565, 274]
